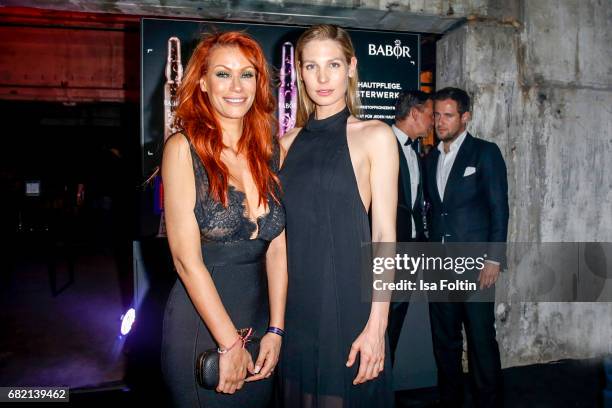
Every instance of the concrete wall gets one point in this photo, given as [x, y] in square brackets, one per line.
[542, 91]
[402, 15]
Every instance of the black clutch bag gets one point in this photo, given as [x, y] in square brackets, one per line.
[207, 364]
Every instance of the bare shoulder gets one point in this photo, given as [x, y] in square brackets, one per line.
[176, 148]
[372, 131]
[176, 142]
[288, 138]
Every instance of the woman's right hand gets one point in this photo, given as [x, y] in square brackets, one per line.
[233, 369]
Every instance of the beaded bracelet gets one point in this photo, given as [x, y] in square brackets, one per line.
[243, 337]
[222, 350]
[276, 330]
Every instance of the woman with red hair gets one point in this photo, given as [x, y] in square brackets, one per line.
[225, 226]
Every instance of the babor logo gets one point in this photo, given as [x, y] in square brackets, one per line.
[397, 50]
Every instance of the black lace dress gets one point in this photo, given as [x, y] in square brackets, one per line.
[326, 227]
[235, 261]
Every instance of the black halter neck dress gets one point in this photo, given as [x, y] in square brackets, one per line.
[326, 226]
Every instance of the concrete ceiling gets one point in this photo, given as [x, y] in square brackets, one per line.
[353, 14]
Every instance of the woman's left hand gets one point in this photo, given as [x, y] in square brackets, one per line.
[269, 350]
[370, 345]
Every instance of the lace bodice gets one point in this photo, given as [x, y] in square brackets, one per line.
[232, 224]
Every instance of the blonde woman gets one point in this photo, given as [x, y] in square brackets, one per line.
[337, 170]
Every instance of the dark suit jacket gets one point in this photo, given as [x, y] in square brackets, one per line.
[405, 209]
[475, 207]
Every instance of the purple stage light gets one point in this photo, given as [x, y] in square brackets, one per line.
[127, 320]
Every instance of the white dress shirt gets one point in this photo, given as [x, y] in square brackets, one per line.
[413, 167]
[445, 162]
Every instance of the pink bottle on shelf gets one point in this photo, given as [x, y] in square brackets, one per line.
[174, 75]
[287, 92]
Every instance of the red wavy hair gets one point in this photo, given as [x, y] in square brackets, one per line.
[198, 119]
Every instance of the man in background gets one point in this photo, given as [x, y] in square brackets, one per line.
[413, 120]
[467, 188]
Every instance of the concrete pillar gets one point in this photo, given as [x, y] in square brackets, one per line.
[541, 88]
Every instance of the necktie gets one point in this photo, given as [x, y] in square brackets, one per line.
[416, 146]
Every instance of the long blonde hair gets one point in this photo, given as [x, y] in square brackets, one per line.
[325, 32]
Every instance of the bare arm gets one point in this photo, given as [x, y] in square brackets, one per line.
[384, 171]
[276, 269]
[276, 264]
[184, 239]
[384, 168]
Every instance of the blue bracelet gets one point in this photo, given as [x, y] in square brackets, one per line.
[276, 330]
